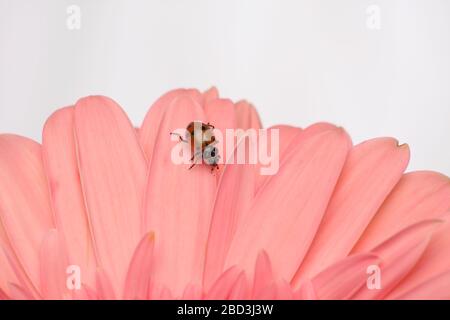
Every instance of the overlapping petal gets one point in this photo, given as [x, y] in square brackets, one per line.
[113, 175]
[288, 209]
[371, 171]
[25, 210]
[107, 197]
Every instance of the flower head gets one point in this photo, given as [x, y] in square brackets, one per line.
[104, 199]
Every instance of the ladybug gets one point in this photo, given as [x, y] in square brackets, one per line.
[202, 143]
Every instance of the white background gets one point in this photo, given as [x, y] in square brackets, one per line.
[298, 61]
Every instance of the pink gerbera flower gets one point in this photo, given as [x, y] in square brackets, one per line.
[101, 196]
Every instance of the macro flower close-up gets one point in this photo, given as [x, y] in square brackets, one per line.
[99, 210]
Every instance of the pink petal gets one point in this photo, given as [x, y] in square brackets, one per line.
[306, 291]
[437, 288]
[286, 137]
[19, 293]
[233, 198]
[221, 114]
[85, 293]
[399, 254]
[344, 278]
[222, 288]
[192, 292]
[263, 276]
[247, 116]
[60, 162]
[53, 265]
[210, 94]
[284, 291]
[20, 274]
[157, 291]
[8, 274]
[434, 261]
[148, 131]
[418, 196]
[240, 290]
[178, 204]
[3, 295]
[371, 171]
[268, 293]
[139, 272]
[25, 211]
[104, 287]
[289, 207]
[113, 171]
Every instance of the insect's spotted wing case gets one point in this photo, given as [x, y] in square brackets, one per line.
[202, 143]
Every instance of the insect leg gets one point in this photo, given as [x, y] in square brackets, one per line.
[196, 154]
[179, 135]
[192, 166]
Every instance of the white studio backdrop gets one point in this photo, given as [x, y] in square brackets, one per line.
[377, 68]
